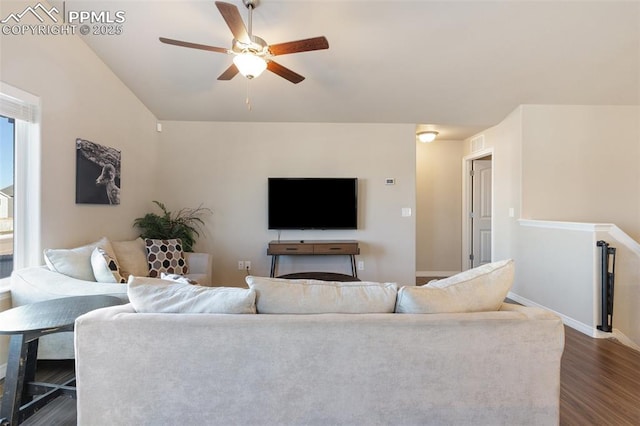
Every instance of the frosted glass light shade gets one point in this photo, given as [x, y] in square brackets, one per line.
[428, 136]
[250, 65]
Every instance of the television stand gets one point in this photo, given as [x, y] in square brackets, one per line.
[313, 248]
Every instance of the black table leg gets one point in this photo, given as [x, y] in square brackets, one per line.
[17, 365]
[354, 269]
[274, 265]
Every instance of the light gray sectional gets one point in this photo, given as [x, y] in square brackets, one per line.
[496, 367]
[71, 274]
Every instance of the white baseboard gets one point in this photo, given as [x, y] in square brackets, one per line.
[577, 325]
[620, 337]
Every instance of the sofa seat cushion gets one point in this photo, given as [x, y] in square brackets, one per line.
[153, 295]
[479, 289]
[283, 296]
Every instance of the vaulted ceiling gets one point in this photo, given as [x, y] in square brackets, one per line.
[458, 65]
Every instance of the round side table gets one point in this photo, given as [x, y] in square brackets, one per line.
[26, 324]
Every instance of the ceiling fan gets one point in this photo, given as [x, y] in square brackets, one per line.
[252, 55]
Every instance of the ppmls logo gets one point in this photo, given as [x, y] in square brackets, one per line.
[102, 22]
[38, 11]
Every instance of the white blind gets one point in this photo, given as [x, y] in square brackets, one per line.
[16, 108]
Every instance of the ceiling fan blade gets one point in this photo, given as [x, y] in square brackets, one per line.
[193, 45]
[229, 73]
[233, 19]
[316, 43]
[283, 72]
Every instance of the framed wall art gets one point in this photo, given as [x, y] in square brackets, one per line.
[97, 173]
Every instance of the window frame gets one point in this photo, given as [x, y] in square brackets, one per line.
[25, 109]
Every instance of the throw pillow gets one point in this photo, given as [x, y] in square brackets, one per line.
[283, 296]
[152, 295]
[75, 262]
[178, 278]
[105, 268]
[132, 257]
[480, 289]
[165, 256]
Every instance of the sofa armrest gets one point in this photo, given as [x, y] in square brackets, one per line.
[200, 266]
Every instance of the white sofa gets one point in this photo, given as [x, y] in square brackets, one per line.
[39, 283]
[172, 357]
[484, 368]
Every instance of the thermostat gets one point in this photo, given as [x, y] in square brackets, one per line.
[390, 181]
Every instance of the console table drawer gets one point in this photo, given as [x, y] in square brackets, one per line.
[339, 248]
[315, 247]
[290, 249]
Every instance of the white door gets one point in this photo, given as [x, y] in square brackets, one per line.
[481, 212]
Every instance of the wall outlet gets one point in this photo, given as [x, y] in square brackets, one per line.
[247, 265]
[360, 265]
[240, 265]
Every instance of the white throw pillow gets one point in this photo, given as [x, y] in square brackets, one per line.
[132, 257]
[153, 295]
[283, 296]
[75, 262]
[105, 268]
[477, 290]
[178, 278]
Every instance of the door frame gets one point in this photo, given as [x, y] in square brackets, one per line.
[467, 166]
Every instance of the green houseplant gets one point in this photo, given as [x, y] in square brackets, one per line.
[183, 224]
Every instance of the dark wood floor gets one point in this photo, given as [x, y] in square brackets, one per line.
[599, 385]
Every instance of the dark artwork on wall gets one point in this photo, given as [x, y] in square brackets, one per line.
[97, 173]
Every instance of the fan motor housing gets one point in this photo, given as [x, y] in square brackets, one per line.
[250, 3]
[257, 46]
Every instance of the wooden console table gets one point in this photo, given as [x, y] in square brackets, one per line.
[313, 248]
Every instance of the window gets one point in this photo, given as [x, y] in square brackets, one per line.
[7, 142]
[19, 180]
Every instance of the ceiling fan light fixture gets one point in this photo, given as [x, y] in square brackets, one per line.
[250, 65]
[427, 136]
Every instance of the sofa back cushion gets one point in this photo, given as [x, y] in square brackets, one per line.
[132, 257]
[153, 295]
[75, 262]
[283, 296]
[480, 289]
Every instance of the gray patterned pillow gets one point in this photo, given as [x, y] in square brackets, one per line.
[165, 256]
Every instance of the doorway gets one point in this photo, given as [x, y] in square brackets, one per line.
[477, 211]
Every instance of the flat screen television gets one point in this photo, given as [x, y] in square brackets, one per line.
[313, 203]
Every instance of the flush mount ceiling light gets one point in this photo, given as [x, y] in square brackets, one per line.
[427, 136]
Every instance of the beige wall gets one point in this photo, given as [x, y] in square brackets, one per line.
[566, 163]
[81, 98]
[5, 303]
[505, 139]
[225, 166]
[439, 207]
[580, 163]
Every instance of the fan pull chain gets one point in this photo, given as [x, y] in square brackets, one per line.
[247, 100]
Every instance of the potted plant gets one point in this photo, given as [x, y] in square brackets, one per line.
[183, 224]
